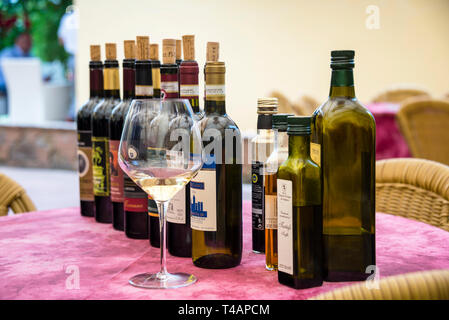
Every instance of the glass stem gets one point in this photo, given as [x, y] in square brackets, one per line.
[162, 208]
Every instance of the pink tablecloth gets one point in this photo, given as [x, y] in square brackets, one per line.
[389, 141]
[42, 253]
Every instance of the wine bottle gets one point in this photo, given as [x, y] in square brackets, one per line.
[169, 70]
[155, 70]
[100, 136]
[216, 191]
[277, 157]
[179, 233]
[262, 146]
[179, 59]
[343, 144]
[299, 211]
[115, 130]
[84, 128]
[136, 200]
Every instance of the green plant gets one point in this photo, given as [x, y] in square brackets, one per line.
[38, 17]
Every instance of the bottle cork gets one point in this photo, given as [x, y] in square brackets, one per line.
[178, 49]
[95, 53]
[130, 49]
[111, 51]
[154, 51]
[168, 51]
[143, 48]
[213, 50]
[188, 42]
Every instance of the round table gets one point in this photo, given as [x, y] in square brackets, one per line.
[60, 255]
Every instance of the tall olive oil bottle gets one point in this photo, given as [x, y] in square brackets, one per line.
[343, 143]
[300, 224]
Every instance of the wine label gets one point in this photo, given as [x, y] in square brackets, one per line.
[315, 153]
[176, 211]
[152, 208]
[214, 91]
[187, 91]
[144, 91]
[169, 87]
[285, 226]
[258, 214]
[271, 213]
[135, 199]
[111, 79]
[203, 199]
[100, 166]
[116, 172]
[85, 165]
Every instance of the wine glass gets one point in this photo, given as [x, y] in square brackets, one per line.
[161, 151]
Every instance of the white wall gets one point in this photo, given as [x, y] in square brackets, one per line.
[283, 44]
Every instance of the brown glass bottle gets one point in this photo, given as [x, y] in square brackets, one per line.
[115, 129]
[84, 129]
[100, 138]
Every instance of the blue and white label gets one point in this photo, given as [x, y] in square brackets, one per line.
[203, 200]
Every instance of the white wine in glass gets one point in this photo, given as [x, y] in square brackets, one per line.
[161, 151]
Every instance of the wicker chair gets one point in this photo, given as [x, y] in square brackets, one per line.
[400, 94]
[13, 196]
[424, 125]
[424, 285]
[414, 188]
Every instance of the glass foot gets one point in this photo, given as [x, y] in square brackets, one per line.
[162, 281]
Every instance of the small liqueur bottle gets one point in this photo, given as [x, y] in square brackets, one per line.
[179, 233]
[262, 146]
[300, 224]
[344, 144]
[115, 130]
[136, 200]
[216, 191]
[84, 128]
[100, 136]
[278, 156]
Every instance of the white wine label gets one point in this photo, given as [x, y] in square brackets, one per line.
[271, 212]
[213, 90]
[315, 153]
[285, 226]
[176, 211]
[144, 91]
[203, 199]
[187, 90]
[170, 86]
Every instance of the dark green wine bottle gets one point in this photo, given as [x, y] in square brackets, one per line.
[343, 143]
[216, 191]
[300, 224]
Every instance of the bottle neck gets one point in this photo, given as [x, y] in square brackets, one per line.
[144, 80]
[111, 80]
[281, 140]
[129, 79]
[299, 146]
[342, 83]
[214, 73]
[96, 79]
[169, 81]
[188, 83]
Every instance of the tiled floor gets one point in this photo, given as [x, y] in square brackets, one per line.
[53, 189]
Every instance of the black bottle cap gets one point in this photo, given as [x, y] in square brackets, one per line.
[280, 121]
[299, 126]
[342, 59]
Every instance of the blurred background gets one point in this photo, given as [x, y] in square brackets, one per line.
[271, 48]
